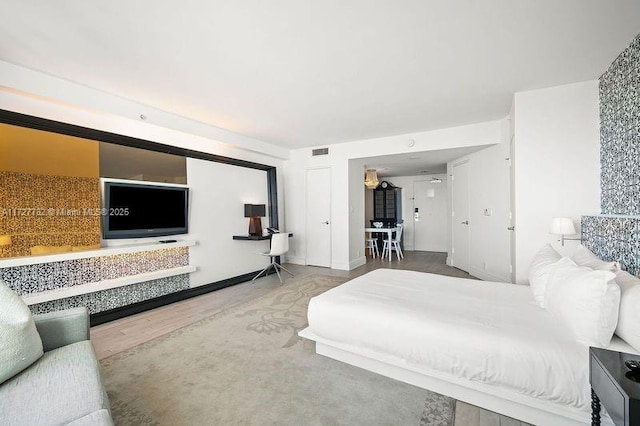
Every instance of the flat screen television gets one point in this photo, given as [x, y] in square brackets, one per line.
[138, 210]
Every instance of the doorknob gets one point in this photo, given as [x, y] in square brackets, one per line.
[466, 222]
[326, 222]
[511, 228]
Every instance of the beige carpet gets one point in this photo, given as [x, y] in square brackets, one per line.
[247, 365]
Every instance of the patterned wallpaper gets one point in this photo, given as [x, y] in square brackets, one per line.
[40, 277]
[614, 236]
[50, 196]
[117, 297]
[620, 133]
[48, 210]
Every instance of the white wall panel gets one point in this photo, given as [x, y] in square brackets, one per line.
[218, 194]
[557, 163]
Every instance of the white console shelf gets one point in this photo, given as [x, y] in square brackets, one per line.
[86, 254]
[77, 290]
[61, 293]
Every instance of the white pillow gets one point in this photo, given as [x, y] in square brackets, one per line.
[584, 300]
[542, 264]
[629, 318]
[585, 257]
[20, 344]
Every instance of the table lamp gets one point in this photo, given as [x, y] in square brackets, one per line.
[255, 212]
[563, 226]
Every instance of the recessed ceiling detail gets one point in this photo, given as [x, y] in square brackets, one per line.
[430, 162]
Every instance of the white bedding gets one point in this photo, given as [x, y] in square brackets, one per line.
[493, 333]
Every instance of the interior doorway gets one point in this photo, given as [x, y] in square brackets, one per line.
[318, 217]
[430, 215]
[460, 226]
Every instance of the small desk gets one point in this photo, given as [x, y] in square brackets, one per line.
[388, 231]
[258, 238]
[612, 387]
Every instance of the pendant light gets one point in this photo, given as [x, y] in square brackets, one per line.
[371, 179]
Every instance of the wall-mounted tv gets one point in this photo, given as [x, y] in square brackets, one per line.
[140, 210]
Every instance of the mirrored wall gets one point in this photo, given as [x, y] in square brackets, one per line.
[50, 187]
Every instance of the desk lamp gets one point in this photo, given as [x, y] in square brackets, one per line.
[255, 212]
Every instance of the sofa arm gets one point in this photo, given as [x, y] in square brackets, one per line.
[62, 328]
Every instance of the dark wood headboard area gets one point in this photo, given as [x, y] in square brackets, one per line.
[614, 238]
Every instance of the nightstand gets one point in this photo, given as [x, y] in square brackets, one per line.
[612, 388]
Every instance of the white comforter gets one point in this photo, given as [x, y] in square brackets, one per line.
[492, 333]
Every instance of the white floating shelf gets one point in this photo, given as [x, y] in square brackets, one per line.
[61, 293]
[87, 254]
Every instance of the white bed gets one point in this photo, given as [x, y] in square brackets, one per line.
[485, 343]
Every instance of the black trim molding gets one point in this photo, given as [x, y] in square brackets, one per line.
[18, 119]
[272, 188]
[146, 305]
[38, 123]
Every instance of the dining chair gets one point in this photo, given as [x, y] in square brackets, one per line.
[372, 245]
[394, 243]
[279, 246]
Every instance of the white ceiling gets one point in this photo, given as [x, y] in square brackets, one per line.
[417, 163]
[301, 73]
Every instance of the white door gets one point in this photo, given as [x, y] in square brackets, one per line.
[460, 249]
[430, 225]
[319, 217]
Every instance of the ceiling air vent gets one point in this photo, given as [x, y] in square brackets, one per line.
[320, 151]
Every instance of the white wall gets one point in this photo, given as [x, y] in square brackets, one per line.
[556, 156]
[356, 214]
[368, 206]
[489, 188]
[347, 237]
[213, 220]
[557, 164]
[35, 93]
[217, 213]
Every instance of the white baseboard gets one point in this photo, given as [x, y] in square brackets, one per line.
[342, 266]
[296, 260]
[486, 276]
[357, 262]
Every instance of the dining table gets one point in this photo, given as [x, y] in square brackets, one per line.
[388, 231]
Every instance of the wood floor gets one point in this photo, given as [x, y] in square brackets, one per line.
[125, 333]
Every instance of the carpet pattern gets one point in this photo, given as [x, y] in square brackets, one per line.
[247, 365]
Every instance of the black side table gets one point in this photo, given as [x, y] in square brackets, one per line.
[613, 386]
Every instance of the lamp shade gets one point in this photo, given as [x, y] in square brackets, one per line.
[5, 240]
[562, 226]
[371, 179]
[254, 210]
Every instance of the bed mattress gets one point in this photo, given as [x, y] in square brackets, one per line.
[491, 333]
